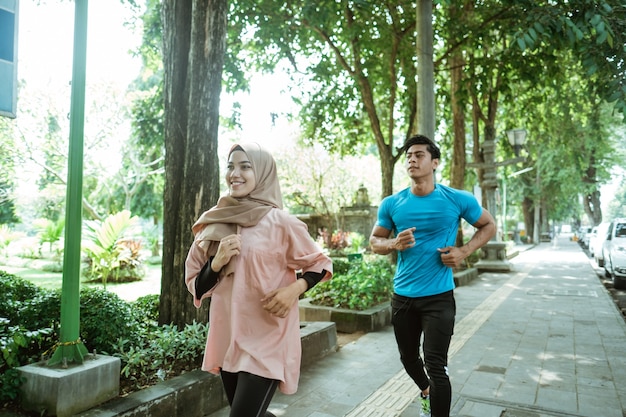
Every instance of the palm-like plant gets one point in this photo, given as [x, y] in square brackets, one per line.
[108, 248]
[49, 232]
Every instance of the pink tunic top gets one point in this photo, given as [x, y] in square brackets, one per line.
[242, 335]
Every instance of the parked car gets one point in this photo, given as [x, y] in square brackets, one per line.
[597, 241]
[614, 253]
[584, 233]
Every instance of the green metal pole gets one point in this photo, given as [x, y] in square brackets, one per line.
[70, 348]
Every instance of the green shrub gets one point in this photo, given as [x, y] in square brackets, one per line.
[14, 289]
[29, 320]
[105, 318]
[163, 353]
[146, 307]
[18, 346]
[341, 266]
[10, 382]
[42, 310]
[364, 285]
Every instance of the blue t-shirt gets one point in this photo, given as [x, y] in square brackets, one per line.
[436, 217]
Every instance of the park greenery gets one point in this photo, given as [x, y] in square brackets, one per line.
[149, 352]
[557, 69]
[29, 326]
[356, 285]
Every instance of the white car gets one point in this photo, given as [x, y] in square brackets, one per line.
[597, 242]
[584, 235]
[614, 253]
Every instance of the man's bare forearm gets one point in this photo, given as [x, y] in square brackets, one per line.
[382, 245]
[480, 238]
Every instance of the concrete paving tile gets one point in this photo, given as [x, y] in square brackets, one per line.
[335, 408]
[557, 400]
[604, 405]
[602, 383]
[521, 393]
[481, 384]
[549, 379]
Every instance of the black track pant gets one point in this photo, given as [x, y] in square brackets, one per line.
[433, 317]
[248, 395]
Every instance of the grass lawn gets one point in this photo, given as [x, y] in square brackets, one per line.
[34, 270]
[43, 279]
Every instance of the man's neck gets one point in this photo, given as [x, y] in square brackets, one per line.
[423, 186]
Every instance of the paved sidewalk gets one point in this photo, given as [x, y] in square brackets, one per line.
[545, 340]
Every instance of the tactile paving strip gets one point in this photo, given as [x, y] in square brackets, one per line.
[393, 397]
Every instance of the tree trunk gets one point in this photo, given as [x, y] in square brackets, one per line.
[591, 200]
[425, 69]
[194, 35]
[592, 206]
[528, 208]
[457, 168]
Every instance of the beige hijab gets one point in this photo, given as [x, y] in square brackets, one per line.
[230, 214]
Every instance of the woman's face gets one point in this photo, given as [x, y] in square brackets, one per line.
[240, 177]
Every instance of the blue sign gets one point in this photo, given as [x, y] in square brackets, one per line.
[8, 57]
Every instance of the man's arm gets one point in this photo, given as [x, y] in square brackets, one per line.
[380, 242]
[485, 229]
[383, 245]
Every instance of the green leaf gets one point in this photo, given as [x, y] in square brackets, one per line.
[596, 19]
[579, 33]
[529, 41]
[521, 44]
[614, 96]
[609, 39]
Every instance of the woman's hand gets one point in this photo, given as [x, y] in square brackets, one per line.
[280, 301]
[228, 247]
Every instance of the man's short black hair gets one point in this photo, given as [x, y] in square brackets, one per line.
[422, 140]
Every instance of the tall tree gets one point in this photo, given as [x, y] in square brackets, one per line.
[359, 58]
[194, 34]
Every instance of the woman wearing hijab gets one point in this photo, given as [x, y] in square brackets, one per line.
[245, 256]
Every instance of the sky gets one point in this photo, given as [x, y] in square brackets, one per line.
[45, 45]
[45, 61]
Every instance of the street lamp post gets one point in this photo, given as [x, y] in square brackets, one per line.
[504, 203]
[517, 138]
[494, 252]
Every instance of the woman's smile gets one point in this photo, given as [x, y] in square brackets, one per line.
[240, 176]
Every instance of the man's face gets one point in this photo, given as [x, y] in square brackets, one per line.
[419, 162]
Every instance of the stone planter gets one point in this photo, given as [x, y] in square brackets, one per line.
[375, 318]
[348, 321]
[465, 276]
[200, 393]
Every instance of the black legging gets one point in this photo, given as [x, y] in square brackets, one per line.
[248, 395]
[434, 317]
